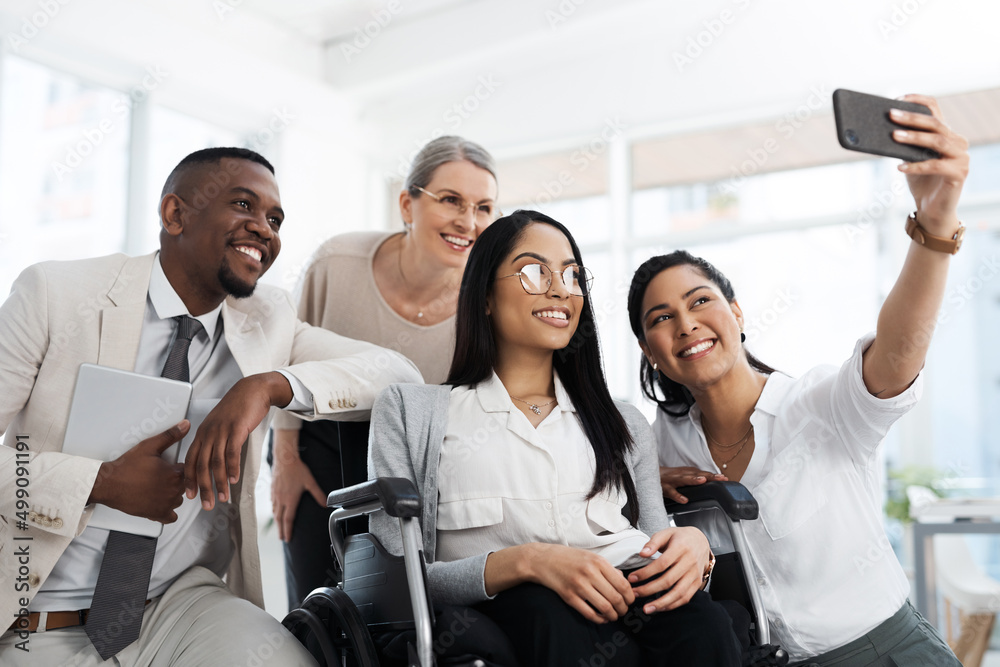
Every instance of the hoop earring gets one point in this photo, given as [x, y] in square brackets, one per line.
[656, 373]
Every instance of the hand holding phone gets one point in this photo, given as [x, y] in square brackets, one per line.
[863, 125]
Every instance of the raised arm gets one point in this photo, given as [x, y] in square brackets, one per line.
[908, 316]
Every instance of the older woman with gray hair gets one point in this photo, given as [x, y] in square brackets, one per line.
[395, 289]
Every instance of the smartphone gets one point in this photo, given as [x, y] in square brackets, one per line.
[863, 124]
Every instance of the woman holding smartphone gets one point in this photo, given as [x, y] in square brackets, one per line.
[395, 289]
[525, 465]
[807, 448]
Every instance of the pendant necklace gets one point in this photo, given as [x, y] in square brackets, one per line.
[536, 408]
[742, 443]
[399, 265]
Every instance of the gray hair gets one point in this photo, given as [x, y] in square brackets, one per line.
[448, 148]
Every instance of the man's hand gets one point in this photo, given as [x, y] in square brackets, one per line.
[219, 441]
[140, 482]
[585, 581]
[684, 555]
[673, 478]
[290, 478]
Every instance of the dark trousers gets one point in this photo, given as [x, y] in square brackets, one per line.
[336, 454]
[547, 632]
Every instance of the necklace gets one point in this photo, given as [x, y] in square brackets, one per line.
[726, 463]
[399, 265]
[536, 408]
[719, 445]
[742, 442]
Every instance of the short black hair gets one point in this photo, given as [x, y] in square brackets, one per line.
[211, 156]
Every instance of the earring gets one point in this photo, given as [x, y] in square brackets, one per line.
[743, 336]
[656, 373]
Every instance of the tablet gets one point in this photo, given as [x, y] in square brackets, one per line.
[112, 411]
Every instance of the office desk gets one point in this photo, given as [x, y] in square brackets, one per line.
[949, 515]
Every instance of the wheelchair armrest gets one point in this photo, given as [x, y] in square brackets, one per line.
[398, 496]
[735, 499]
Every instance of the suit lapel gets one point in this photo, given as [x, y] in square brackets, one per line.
[246, 341]
[121, 323]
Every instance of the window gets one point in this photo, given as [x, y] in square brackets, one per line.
[63, 167]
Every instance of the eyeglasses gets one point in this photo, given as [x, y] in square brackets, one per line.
[537, 279]
[485, 212]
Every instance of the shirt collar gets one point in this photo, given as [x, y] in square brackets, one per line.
[773, 394]
[167, 304]
[493, 396]
[769, 401]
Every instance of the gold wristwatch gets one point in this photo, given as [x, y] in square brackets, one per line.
[708, 570]
[931, 242]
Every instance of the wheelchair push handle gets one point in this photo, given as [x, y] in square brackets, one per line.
[397, 495]
[734, 498]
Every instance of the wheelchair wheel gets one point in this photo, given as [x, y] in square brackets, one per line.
[330, 627]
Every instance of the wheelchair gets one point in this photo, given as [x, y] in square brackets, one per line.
[337, 624]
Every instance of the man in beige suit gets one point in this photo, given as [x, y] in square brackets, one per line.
[220, 215]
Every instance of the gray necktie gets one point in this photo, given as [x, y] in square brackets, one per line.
[115, 616]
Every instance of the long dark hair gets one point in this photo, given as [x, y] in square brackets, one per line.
[673, 398]
[578, 364]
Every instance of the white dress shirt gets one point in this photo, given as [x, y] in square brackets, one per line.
[503, 482]
[197, 537]
[824, 564]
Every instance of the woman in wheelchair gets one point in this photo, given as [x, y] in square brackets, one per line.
[807, 448]
[542, 505]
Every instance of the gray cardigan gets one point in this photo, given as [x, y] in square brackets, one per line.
[408, 428]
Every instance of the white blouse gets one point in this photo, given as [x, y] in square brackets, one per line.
[502, 482]
[826, 569]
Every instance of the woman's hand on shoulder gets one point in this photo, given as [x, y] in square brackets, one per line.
[684, 556]
[672, 479]
[585, 581]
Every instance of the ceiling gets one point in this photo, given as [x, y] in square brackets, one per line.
[527, 76]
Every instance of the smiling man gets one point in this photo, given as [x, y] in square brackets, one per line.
[191, 311]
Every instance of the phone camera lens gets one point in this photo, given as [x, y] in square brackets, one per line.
[852, 137]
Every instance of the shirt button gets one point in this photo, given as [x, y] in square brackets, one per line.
[333, 404]
[32, 517]
[548, 506]
[353, 403]
[761, 581]
[33, 580]
[45, 521]
[552, 524]
[57, 523]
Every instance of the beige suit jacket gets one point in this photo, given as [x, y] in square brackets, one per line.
[62, 314]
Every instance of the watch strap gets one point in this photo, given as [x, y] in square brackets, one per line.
[937, 243]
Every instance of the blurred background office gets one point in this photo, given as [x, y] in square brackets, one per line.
[643, 125]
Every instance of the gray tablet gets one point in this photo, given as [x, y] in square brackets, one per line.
[113, 410]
